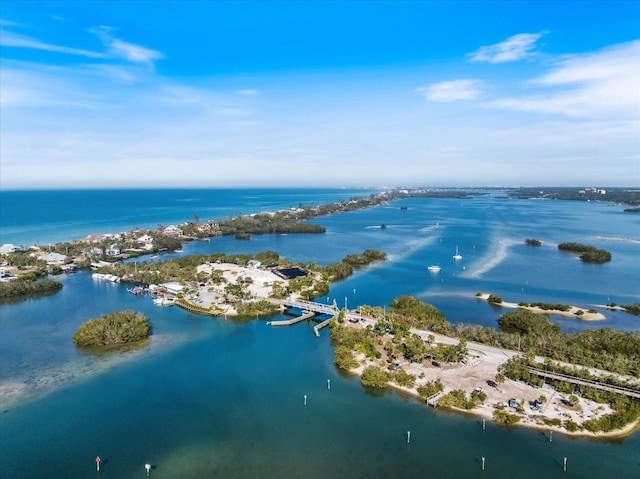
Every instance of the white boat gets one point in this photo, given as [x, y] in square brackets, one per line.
[163, 301]
[457, 256]
[434, 268]
[106, 277]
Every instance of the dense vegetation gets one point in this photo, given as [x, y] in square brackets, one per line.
[632, 309]
[257, 308]
[431, 388]
[281, 222]
[546, 306]
[21, 286]
[606, 348]
[588, 254]
[457, 399]
[364, 259]
[494, 299]
[119, 327]
[376, 377]
[410, 311]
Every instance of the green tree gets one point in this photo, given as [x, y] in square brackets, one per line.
[375, 377]
[119, 327]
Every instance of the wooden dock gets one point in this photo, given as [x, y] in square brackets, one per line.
[433, 400]
[289, 322]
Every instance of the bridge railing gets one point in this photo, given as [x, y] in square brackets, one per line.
[311, 306]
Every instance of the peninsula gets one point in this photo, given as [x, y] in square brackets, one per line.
[401, 348]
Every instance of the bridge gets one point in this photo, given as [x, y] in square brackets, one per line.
[319, 308]
[632, 393]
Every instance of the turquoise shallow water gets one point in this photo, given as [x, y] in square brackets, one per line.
[214, 398]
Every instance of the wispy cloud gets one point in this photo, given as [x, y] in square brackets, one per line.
[248, 92]
[124, 50]
[10, 39]
[115, 48]
[517, 47]
[448, 91]
[603, 83]
[23, 88]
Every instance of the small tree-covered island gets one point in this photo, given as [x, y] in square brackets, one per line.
[28, 285]
[588, 254]
[113, 329]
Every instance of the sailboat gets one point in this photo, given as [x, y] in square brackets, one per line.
[457, 256]
[434, 268]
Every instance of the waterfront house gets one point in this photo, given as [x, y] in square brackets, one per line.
[54, 258]
[172, 230]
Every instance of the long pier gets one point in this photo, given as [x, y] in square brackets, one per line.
[632, 393]
[289, 322]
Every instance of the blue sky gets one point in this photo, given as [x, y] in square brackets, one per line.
[332, 93]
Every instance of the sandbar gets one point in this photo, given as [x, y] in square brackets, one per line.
[572, 312]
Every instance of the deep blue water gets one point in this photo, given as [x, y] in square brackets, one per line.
[51, 216]
[224, 398]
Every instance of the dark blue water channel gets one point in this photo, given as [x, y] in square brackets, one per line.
[209, 397]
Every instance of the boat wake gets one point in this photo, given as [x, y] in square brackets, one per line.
[496, 255]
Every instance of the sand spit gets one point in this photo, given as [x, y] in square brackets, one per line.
[573, 312]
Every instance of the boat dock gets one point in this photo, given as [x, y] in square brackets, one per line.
[289, 322]
[318, 327]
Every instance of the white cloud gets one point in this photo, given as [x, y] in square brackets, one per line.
[24, 88]
[454, 90]
[600, 84]
[116, 48]
[10, 39]
[127, 51]
[517, 47]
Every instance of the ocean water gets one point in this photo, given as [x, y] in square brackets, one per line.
[50, 216]
[209, 397]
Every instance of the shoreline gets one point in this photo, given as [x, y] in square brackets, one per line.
[485, 411]
[478, 372]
